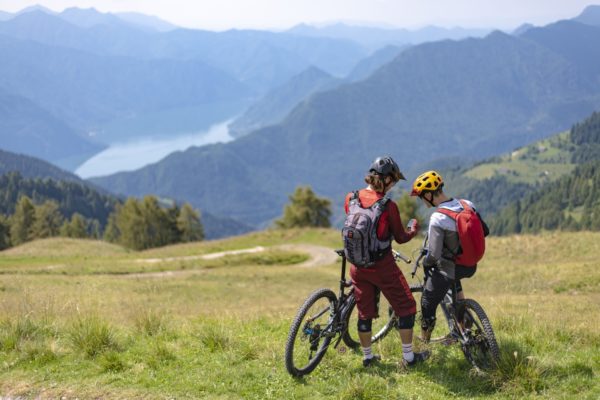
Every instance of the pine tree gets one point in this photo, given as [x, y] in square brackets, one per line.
[189, 224]
[305, 209]
[48, 220]
[75, 228]
[22, 221]
[131, 225]
[111, 232]
[4, 232]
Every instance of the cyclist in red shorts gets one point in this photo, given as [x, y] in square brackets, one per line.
[384, 275]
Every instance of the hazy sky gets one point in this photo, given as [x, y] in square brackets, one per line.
[226, 14]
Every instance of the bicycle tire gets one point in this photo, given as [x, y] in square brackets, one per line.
[353, 343]
[483, 351]
[317, 344]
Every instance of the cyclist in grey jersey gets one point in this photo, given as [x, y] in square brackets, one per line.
[443, 246]
[443, 243]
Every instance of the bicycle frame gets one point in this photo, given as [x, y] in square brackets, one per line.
[341, 308]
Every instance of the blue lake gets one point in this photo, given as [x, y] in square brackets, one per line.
[132, 155]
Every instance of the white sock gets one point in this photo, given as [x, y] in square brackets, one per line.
[367, 353]
[407, 352]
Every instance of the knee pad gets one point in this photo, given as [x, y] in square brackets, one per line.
[406, 322]
[427, 324]
[364, 325]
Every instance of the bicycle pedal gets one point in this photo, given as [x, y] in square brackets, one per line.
[342, 349]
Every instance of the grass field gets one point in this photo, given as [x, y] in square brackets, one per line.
[84, 319]
[540, 162]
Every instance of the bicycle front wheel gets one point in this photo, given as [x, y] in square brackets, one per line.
[310, 333]
[480, 347]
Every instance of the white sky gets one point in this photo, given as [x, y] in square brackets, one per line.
[281, 14]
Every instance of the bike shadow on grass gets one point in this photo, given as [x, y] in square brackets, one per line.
[448, 367]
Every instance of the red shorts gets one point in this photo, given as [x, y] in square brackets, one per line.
[386, 276]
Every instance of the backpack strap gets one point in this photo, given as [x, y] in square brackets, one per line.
[465, 205]
[354, 198]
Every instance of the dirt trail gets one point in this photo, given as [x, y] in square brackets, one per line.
[318, 256]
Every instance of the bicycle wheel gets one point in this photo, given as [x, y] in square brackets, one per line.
[480, 348]
[310, 333]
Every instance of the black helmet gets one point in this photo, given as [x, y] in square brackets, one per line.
[386, 166]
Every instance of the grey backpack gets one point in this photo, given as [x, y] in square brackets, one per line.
[361, 245]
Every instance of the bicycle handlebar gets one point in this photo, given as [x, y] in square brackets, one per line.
[400, 256]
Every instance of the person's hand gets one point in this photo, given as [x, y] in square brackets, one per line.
[413, 226]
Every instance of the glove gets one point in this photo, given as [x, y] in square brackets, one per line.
[413, 226]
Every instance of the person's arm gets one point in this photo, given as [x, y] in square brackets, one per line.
[435, 245]
[396, 227]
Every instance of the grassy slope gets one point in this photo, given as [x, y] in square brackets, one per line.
[218, 329]
[539, 162]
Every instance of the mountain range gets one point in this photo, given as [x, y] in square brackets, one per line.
[374, 38]
[104, 77]
[471, 98]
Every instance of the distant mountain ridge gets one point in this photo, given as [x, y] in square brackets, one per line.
[40, 180]
[590, 16]
[276, 104]
[27, 128]
[471, 98]
[374, 38]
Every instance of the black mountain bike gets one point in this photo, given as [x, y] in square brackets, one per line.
[322, 319]
[467, 323]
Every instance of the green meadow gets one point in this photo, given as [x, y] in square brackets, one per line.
[86, 319]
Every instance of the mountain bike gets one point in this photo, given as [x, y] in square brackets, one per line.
[322, 319]
[467, 322]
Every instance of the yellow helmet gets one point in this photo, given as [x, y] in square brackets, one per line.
[427, 182]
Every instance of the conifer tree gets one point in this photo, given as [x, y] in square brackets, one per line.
[48, 220]
[189, 224]
[305, 209]
[22, 221]
[4, 232]
[75, 228]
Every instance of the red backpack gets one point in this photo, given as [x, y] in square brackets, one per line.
[470, 234]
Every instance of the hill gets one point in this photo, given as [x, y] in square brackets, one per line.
[499, 181]
[376, 60]
[72, 197]
[99, 321]
[276, 105]
[471, 99]
[30, 167]
[29, 129]
[570, 202]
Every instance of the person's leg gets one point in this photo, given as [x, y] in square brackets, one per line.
[435, 289]
[396, 290]
[461, 272]
[365, 295]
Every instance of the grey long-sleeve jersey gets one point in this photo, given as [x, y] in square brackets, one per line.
[443, 242]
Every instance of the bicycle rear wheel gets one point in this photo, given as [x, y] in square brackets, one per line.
[480, 348]
[310, 333]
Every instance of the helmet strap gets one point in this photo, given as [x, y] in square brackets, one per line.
[428, 200]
